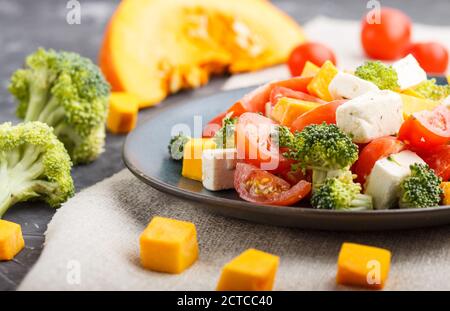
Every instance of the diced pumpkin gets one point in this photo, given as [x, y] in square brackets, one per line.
[310, 69]
[288, 109]
[168, 245]
[446, 188]
[253, 270]
[11, 240]
[448, 79]
[412, 104]
[412, 92]
[123, 112]
[319, 84]
[362, 265]
[192, 157]
[153, 48]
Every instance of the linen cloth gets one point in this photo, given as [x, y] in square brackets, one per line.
[92, 241]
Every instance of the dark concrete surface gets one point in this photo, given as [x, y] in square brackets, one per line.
[28, 24]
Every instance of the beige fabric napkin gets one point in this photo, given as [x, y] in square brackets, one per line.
[92, 241]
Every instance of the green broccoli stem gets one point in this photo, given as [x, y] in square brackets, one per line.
[320, 175]
[52, 113]
[361, 202]
[38, 100]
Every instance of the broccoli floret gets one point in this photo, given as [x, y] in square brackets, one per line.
[33, 165]
[224, 137]
[429, 89]
[69, 93]
[383, 76]
[341, 193]
[176, 146]
[325, 149]
[282, 137]
[421, 188]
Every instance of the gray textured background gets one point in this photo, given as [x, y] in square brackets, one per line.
[28, 24]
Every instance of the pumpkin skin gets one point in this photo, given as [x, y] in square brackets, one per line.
[153, 48]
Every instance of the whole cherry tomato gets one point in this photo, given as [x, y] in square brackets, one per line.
[432, 56]
[314, 52]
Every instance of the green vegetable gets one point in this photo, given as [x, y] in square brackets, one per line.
[429, 89]
[224, 137]
[69, 93]
[34, 165]
[283, 137]
[421, 188]
[341, 193]
[325, 149]
[176, 146]
[383, 76]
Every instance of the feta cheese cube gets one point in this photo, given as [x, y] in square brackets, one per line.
[348, 86]
[372, 115]
[409, 72]
[384, 180]
[446, 102]
[218, 166]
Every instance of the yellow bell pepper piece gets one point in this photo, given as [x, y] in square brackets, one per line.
[319, 84]
[412, 104]
[310, 69]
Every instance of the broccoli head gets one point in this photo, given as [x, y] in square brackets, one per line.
[176, 146]
[69, 93]
[429, 89]
[225, 137]
[283, 137]
[33, 165]
[341, 193]
[421, 188]
[325, 149]
[383, 76]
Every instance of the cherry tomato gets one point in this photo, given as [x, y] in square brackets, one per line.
[322, 113]
[390, 38]
[314, 52]
[213, 126]
[259, 186]
[426, 129]
[279, 92]
[256, 100]
[377, 149]
[432, 56]
[237, 109]
[439, 160]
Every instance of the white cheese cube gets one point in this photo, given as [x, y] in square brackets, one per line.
[446, 102]
[384, 180]
[218, 166]
[372, 115]
[409, 72]
[348, 86]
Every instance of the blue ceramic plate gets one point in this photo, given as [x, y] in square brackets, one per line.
[145, 154]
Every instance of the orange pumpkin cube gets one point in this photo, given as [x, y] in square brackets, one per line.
[11, 240]
[319, 84]
[168, 245]
[310, 69]
[123, 112]
[287, 110]
[362, 265]
[253, 270]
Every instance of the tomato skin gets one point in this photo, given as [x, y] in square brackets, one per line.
[285, 196]
[213, 126]
[375, 150]
[425, 130]
[322, 113]
[439, 160]
[315, 52]
[432, 56]
[280, 91]
[256, 100]
[388, 40]
[237, 109]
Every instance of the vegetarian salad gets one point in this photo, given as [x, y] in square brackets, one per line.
[376, 138]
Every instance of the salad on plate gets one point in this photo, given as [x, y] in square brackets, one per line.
[375, 138]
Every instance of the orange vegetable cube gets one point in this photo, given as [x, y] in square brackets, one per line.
[252, 270]
[446, 187]
[309, 69]
[192, 157]
[168, 245]
[288, 109]
[123, 112]
[319, 84]
[363, 265]
[11, 240]
[448, 79]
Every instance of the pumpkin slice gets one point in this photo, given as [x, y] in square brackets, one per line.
[153, 48]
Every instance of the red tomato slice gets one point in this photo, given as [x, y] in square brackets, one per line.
[237, 109]
[259, 186]
[280, 91]
[256, 100]
[427, 129]
[323, 113]
[372, 152]
[439, 160]
[213, 126]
